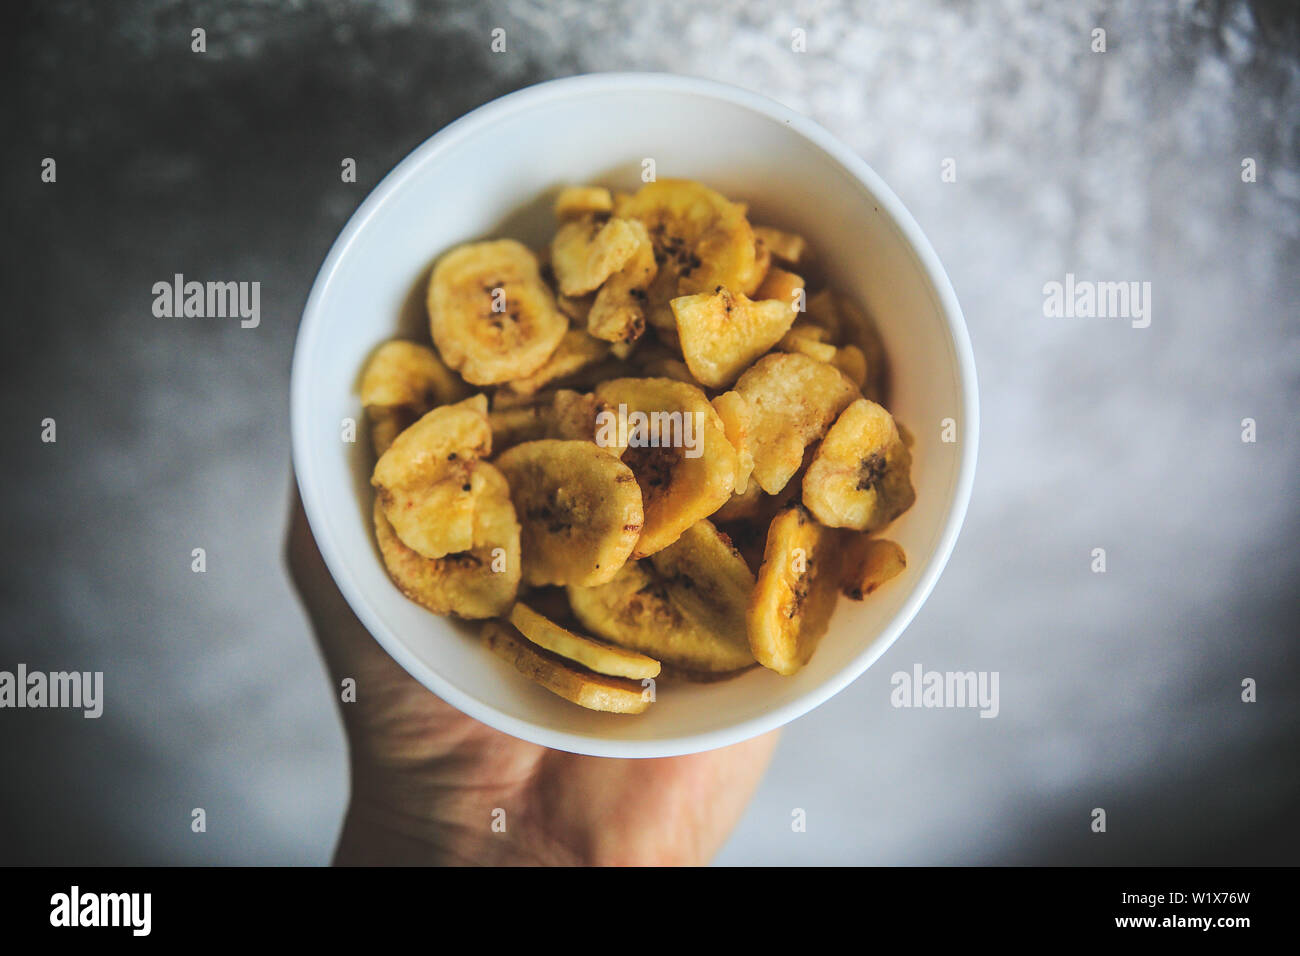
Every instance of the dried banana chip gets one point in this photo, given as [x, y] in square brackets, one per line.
[478, 583]
[869, 563]
[860, 476]
[674, 442]
[492, 317]
[425, 480]
[580, 509]
[618, 313]
[709, 580]
[401, 382]
[804, 342]
[733, 410]
[783, 286]
[593, 655]
[787, 247]
[795, 592]
[723, 332]
[793, 399]
[616, 695]
[574, 202]
[701, 241]
[639, 609]
[576, 351]
[585, 252]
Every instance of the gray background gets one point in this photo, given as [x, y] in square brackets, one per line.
[1119, 690]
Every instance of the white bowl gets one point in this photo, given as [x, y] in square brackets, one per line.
[493, 174]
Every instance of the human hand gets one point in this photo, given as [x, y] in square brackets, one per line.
[426, 779]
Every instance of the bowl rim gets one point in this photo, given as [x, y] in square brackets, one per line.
[925, 256]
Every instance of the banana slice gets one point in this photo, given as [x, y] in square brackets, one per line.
[869, 563]
[850, 360]
[788, 247]
[580, 509]
[709, 580]
[492, 317]
[424, 481]
[722, 332]
[804, 340]
[734, 412]
[639, 609]
[618, 313]
[758, 274]
[795, 592]
[573, 416]
[593, 655]
[575, 202]
[701, 241]
[675, 444]
[784, 286]
[512, 426]
[576, 351]
[793, 400]
[585, 252]
[615, 695]
[401, 382]
[478, 583]
[860, 477]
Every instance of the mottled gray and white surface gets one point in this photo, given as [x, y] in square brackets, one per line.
[1119, 690]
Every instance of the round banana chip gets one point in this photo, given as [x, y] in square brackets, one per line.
[401, 382]
[424, 481]
[675, 444]
[733, 411]
[576, 351]
[580, 509]
[792, 399]
[869, 563]
[593, 655]
[593, 691]
[642, 610]
[618, 313]
[587, 251]
[574, 202]
[860, 476]
[709, 579]
[795, 593]
[478, 583]
[701, 241]
[491, 315]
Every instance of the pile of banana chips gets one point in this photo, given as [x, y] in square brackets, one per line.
[654, 448]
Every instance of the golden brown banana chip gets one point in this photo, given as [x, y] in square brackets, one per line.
[733, 410]
[639, 609]
[788, 247]
[701, 241]
[491, 315]
[616, 695]
[783, 286]
[850, 360]
[576, 351]
[869, 563]
[618, 312]
[792, 399]
[401, 382]
[579, 507]
[722, 332]
[585, 252]
[424, 481]
[860, 476]
[795, 592]
[806, 342]
[573, 415]
[709, 579]
[674, 442]
[593, 655]
[575, 202]
[478, 583]
[511, 426]
[762, 265]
